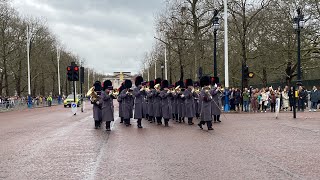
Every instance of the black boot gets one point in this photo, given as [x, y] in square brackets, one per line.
[108, 125]
[180, 119]
[96, 124]
[200, 124]
[218, 118]
[139, 123]
[121, 121]
[166, 124]
[127, 122]
[190, 121]
[183, 119]
[159, 120]
[214, 118]
[209, 124]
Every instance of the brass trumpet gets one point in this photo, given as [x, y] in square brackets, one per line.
[94, 96]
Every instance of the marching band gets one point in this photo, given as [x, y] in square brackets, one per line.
[157, 101]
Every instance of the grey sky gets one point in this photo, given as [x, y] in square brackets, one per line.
[111, 35]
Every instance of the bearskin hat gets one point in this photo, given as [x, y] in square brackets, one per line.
[107, 84]
[188, 82]
[157, 81]
[181, 84]
[138, 80]
[97, 86]
[127, 84]
[164, 84]
[205, 81]
[151, 84]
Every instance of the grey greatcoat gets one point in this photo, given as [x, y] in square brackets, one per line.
[196, 103]
[120, 106]
[216, 102]
[145, 104]
[150, 98]
[205, 99]
[106, 102]
[97, 113]
[189, 104]
[181, 105]
[127, 105]
[138, 103]
[174, 104]
[166, 108]
[157, 104]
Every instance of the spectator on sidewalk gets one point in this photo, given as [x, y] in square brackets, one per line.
[314, 98]
[49, 99]
[302, 95]
[246, 97]
[285, 99]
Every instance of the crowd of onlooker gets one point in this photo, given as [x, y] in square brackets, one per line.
[7, 102]
[265, 99]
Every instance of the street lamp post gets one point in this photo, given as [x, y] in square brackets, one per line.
[162, 67]
[28, 59]
[58, 61]
[298, 24]
[216, 26]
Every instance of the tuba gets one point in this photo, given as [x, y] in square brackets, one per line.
[94, 96]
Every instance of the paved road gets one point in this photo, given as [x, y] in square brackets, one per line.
[51, 143]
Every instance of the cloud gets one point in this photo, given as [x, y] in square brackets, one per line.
[111, 35]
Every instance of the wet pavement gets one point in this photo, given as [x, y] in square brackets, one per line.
[51, 143]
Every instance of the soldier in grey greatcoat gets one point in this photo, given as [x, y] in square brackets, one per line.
[166, 108]
[180, 103]
[145, 102]
[120, 103]
[97, 113]
[205, 100]
[138, 94]
[106, 101]
[189, 101]
[196, 99]
[175, 104]
[150, 98]
[126, 100]
[157, 101]
[216, 103]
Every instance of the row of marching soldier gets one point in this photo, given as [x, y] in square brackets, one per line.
[158, 102]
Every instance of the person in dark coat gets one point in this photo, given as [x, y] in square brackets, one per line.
[157, 101]
[106, 101]
[189, 101]
[314, 98]
[126, 100]
[165, 96]
[138, 94]
[97, 113]
[205, 100]
[150, 98]
[175, 105]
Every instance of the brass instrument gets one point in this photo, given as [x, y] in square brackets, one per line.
[94, 96]
[114, 93]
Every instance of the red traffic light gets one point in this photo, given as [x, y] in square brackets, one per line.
[68, 68]
[76, 68]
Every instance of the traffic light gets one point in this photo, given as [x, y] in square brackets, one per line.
[70, 73]
[246, 72]
[214, 80]
[82, 75]
[76, 73]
